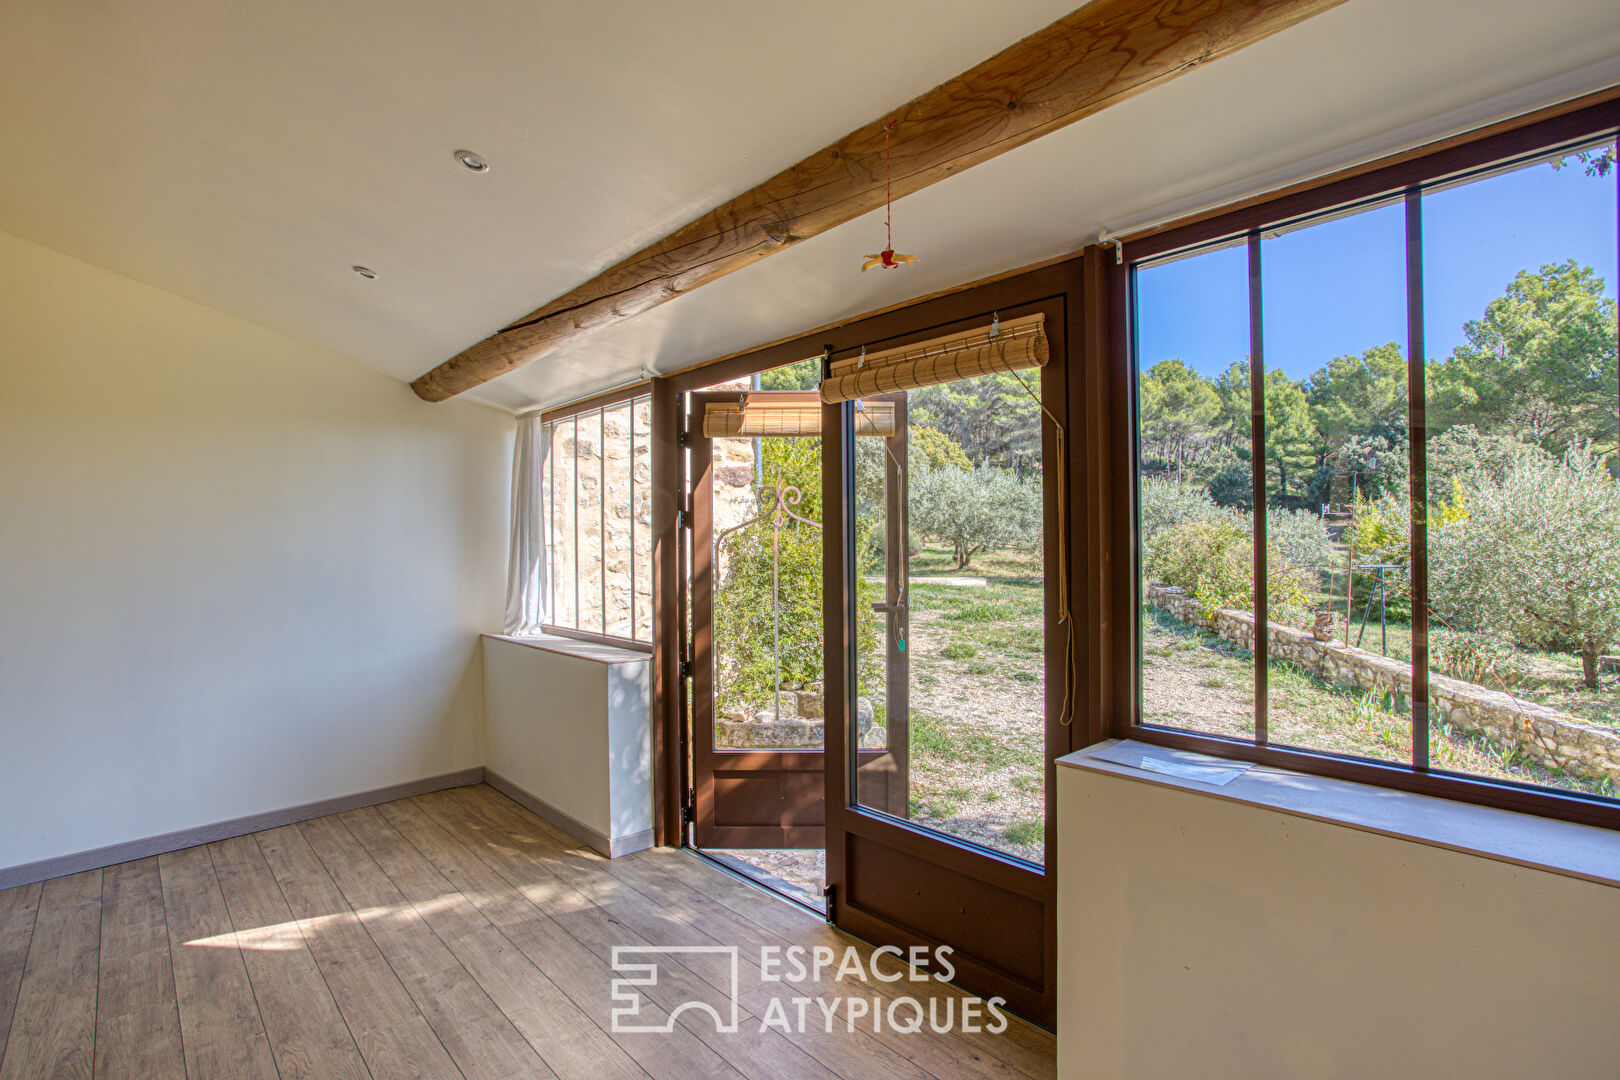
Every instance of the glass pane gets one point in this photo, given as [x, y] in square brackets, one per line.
[590, 514]
[1523, 511]
[641, 515]
[1338, 549]
[767, 594]
[950, 637]
[616, 503]
[1196, 497]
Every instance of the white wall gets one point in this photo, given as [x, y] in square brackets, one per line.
[237, 573]
[1203, 937]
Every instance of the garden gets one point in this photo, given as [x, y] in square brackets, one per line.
[974, 658]
[1522, 554]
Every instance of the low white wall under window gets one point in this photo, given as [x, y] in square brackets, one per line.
[1280, 927]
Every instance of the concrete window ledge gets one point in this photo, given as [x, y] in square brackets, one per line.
[1284, 925]
[598, 651]
[1559, 847]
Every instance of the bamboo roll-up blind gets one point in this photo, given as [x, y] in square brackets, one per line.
[1013, 345]
[789, 414]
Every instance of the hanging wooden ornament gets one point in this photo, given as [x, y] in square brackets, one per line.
[887, 257]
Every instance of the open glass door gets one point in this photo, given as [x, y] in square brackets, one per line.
[946, 631]
[758, 717]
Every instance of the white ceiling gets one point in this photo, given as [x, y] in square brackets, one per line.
[244, 155]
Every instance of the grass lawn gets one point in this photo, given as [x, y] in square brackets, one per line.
[1194, 680]
[978, 701]
[976, 659]
[1554, 678]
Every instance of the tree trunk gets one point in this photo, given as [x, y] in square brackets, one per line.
[1589, 663]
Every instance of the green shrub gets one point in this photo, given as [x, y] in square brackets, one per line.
[1535, 556]
[1233, 487]
[1301, 536]
[931, 448]
[1479, 659]
[1163, 504]
[1214, 562]
[743, 609]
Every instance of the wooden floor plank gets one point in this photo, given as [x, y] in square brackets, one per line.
[454, 936]
[480, 1039]
[957, 1054]
[577, 972]
[18, 907]
[840, 1051]
[390, 1031]
[53, 1029]
[137, 1014]
[524, 888]
[848, 1053]
[220, 1028]
[1027, 1048]
[307, 1034]
[528, 986]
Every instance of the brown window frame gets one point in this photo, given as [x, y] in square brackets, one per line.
[598, 406]
[1401, 178]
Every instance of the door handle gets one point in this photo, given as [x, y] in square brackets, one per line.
[898, 604]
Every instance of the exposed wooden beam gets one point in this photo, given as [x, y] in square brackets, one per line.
[1091, 58]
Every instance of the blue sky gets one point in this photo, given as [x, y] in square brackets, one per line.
[1338, 287]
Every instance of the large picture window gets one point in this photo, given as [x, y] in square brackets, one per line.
[596, 500]
[1378, 479]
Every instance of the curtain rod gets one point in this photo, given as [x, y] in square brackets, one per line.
[647, 375]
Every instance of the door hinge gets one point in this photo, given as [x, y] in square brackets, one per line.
[682, 519]
[686, 669]
[684, 439]
[688, 811]
[827, 895]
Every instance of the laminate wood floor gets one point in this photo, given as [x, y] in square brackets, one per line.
[448, 935]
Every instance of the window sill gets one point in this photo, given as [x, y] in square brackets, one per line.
[1561, 847]
[576, 647]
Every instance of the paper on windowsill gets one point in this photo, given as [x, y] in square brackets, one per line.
[1200, 768]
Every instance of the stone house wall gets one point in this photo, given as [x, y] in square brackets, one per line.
[1543, 735]
[596, 487]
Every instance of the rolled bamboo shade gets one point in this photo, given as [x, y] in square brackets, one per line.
[786, 413]
[1017, 344]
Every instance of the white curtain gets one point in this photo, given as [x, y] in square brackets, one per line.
[526, 565]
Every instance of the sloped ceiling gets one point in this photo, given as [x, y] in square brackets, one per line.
[246, 155]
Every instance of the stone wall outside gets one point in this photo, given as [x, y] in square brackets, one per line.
[609, 526]
[1543, 735]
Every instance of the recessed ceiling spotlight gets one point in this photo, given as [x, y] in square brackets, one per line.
[472, 161]
[366, 272]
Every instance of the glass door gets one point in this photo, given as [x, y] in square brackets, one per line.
[947, 630]
[758, 730]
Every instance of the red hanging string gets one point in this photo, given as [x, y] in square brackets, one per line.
[886, 258]
[888, 188]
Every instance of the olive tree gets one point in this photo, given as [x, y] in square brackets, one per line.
[1163, 504]
[975, 511]
[1535, 555]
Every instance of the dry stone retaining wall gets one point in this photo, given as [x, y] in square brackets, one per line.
[1543, 735]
